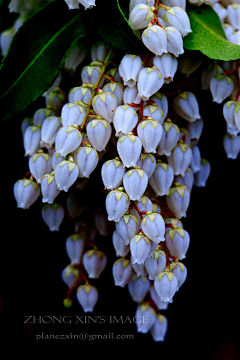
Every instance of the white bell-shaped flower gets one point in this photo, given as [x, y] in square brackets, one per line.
[143, 205]
[39, 165]
[99, 133]
[76, 56]
[145, 317]
[70, 275]
[116, 89]
[167, 64]
[195, 130]
[98, 51]
[221, 86]
[162, 178]
[186, 106]
[231, 145]
[129, 69]
[153, 227]
[139, 270]
[135, 183]
[140, 16]
[155, 112]
[122, 272]
[94, 262]
[233, 15]
[117, 204]
[105, 104]
[149, 82]
[172, 222]
[134, 3]
[129, 149]
[56, 159]
[87, 296]
[161, 101]
[234, 37]
[49, 130]
[41, 114]
[127, 227]
[73, 113]
[187, 179]
[177, 17]
[169, 139]
[178, 200]
[112, 172]
[147, 162]
[220, 10]
[177, 241]
[140, 247]
[156, 299]
[201, 177]
[149, 132]
[80, 93]
[86, 159]
[159, 328]
[91, 74]
[49, 189]
[180, 158]
[155, 39]
[53, 215]
[195, 163]
[131, 96]
[125, 119]
[26, 192]
[66, 173]
[68, 139]
[166, 285]
[138, 288]
[120, 247]
[74, 247]
[31, 139]
[156, 263]
[174, 41]
[230, 111]
[180, 270]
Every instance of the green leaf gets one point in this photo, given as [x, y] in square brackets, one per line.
[208, 35]
[113, 26]
[36, 55]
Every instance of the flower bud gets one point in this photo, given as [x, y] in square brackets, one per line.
[149, 82]
[221, 86]
[55, 98]
[156, 299]
[167, 65]
[139, 270]
[105, 104]
[138, 288]
[122, 272]
[187, 179]
[149, 132]
[140, 247]
[90, 75]
[129, 149]
[147, 162]
[53, 215]
[73, 113]
[195, 130]
[162, 178]
[120, 247]
[145, 316]
[162, 102]
[156, 263]
[74, 247]
[231, 145]
[178, 200]
[180, 270]
[49, 188]
[135, 183]
[127, 227]
[177, 241]
[76, 56]
[129, 69]
[154, 112]
[99, 133]
[169, 139]
[195, 163]
[117, 204]
[233, 15]
[159, 328]
[79, 93]
[49, 130]
[178, 18]
[155, 39]
[166, 285]
[116, 89]
[140, 16]
[112, 174]
[144, 205]
[31, 139]
[153, 227]
[174, 41]
[66, 174]
[87, 296]
[70, 275]
[94, 262]
[86, 159]
[68, 139]
[180, 158]
[131, 96]
[39, 165]
[41, 114]
[98, 51]
[26, 192]
[186, 106]
[125, 119]
[134, 3]
[56, 159]
[200, 178]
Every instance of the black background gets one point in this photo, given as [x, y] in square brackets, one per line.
[204, 315]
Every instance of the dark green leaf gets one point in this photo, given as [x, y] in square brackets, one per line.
[208, 35]
[113, 26]
[36, 55]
